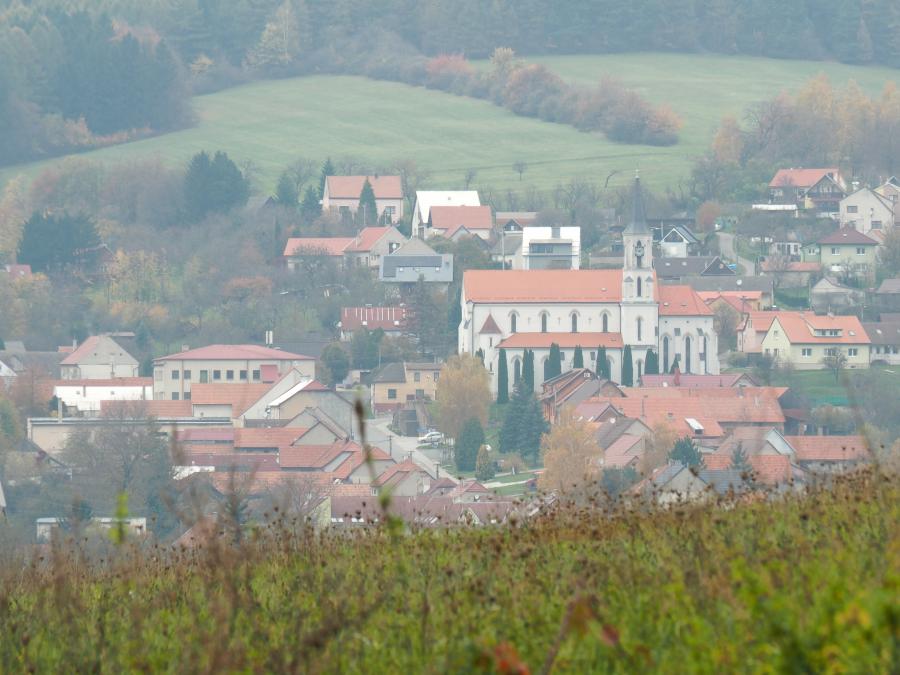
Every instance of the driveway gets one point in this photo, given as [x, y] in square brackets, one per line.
[401, 447]
[726, 248]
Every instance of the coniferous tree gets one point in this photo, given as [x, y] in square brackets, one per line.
[627, 368]
[367, 213]
[327, 170]
[286, 192]
[602, 364]
[687, 453]
[528, 370]
[675, 366]
[578, 358]
[502, 378]
[553, 364]
[480, 354]
[51, 241]
[740, 461]
[651, 365]
[484, 465]
[523, 425]
[471, 438]
[311, 208]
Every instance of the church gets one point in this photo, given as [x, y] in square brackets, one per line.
[517, 310]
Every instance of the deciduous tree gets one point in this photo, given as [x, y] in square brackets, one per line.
[463, 392]
[571, 454]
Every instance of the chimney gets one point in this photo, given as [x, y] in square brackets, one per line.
[185, 348]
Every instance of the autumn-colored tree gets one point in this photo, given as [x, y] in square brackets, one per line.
[657, 446]
[707, 214]
[484, 465]
[463, 392]
[728, 144]
[570, 453]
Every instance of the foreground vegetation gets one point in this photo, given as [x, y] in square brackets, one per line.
[799, 585]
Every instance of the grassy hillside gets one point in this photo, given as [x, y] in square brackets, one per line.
[274, 122]
[797, 585]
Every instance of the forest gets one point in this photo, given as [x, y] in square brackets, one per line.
[144, 59]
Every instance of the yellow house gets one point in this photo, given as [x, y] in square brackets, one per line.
[847, 251]
[397, 383]
[806, 340]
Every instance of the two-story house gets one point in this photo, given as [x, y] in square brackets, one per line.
[551, 248]
[396, 383]
[820, 190]
[451, 222]
[236, 364]
[366, 249]
[866, 210]
[806, 340]
[427, 199]
[342, 193]
[99, 357]
[848, 252]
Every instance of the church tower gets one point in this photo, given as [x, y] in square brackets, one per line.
[640, 312]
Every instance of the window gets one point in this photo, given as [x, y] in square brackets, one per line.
[876, 224]
[417, 376]
[512, 323]
[860, 250]
[242, 374]
[853, 351]
[666, 354]
[574, 323]
[806, 351]
[204, 376]
[437, 375]
[217, 374]
[834, 250]
[543, 323]
[831, 351]
[174, 374]
[593, 356]
[186, 375]
[392, 394]
[605, 322]
[255, 374]
[517, 371]
[174, 395]
[852, 209]
[187, 396]
[677, 332]
[640, 326]
[420, 393]
[229, 374]
[389, 211]
[157, 374]
[687, 354]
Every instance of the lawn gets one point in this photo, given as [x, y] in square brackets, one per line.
[821, 388]
[274, 122]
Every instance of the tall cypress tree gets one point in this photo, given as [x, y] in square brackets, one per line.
[502, 379]
[367, 213]
[553, 365]
[327, 170]
[627, 368]
[578, 359]
[528, 370]
[602, 364]
[651, 365]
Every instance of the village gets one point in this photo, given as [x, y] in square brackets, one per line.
[663, 347]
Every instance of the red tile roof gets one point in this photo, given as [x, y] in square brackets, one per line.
[83, 350]
[206, 434]
[767, 469]
[366, 239]
[564, 340]
[332, 246]
[829, 448]
[543, 286]
[373, 318]
[317, 457]
[238, 396]
[681, 301]
[622, 453]
[800, 178]
[260, 437]
[776, 266]
[470, 217]
[234, 353]
[351, 187]
[799, 327]
[397, 472]
[848, 235]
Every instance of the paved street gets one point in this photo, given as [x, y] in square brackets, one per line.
[726, 247]
[402, 447]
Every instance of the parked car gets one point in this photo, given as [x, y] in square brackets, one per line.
[432, 437]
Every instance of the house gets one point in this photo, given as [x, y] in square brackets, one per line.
[887, 296]
[885, 337]
[341, 195]
[235, 364]
[848, 252]
[514, 221]
[16, 361]
[426, 199]
[677, 241]
[507, 250]
[391, 320]
[396, 383]
[820, 190]
[823, 455]
[451, 222]
[753, 329]
[805, 340]
[84, 397]
[98, 357]
[672, 484]
[416, 260]
[554, 248]
[739, 301]
[571, 388]
[866, 210]
[737, 285]
[827, 295]
[295, 404]
[679, 269]
[406, 479]
[533, 309]
[45, 527]
[364, 250]
[890, 190]
[15, 272]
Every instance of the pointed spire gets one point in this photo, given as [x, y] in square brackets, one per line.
[638, 224]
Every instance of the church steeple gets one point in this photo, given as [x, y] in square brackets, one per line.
[638, 224]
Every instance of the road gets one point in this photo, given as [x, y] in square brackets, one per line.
[726, 248]
[401, 447]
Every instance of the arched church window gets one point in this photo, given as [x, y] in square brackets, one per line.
[517, 371]
[687, 353]
[640, 326]
[666, 354]
[640, 286]
[544, 322]
[574, 323]
[605, 322]
[513, 320]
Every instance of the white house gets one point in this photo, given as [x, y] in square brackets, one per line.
[426, 199]
[98, 357]
[866, 210]
[554, 248]
[342, 193]
[85, 396]
[613, 308]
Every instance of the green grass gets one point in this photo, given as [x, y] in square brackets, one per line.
[274, 122]
[821, 388]
[800, 584]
